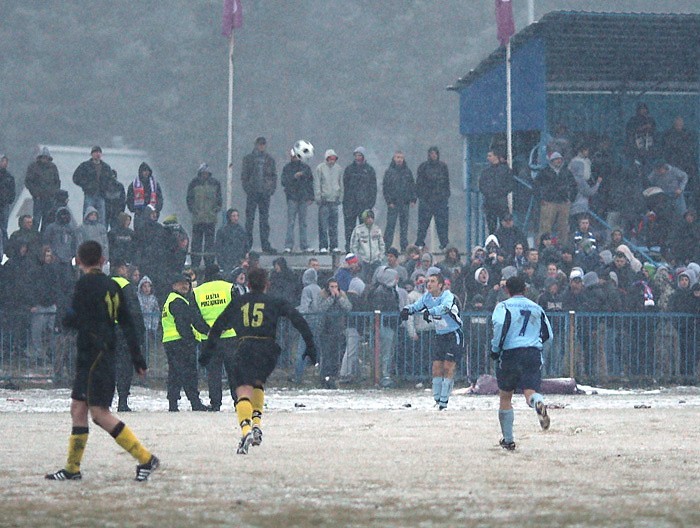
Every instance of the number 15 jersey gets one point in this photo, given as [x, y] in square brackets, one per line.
[256, 315]
[519, 323]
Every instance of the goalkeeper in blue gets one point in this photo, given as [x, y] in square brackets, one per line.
[520, 328]
[440, 307]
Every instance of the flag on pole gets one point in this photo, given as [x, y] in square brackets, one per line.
[232, 18]
[504, 21]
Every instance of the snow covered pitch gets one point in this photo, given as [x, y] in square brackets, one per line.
[364, 459]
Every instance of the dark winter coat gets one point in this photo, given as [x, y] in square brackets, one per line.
[398, 185]
[146, 182]
[231, 246]
[92, 182]
[284, 283]
[495, 183]
[7, 188]
[121, 243]
[360, 184]
[556, 187]
[42, 179]
[204, 199]
[43, 284]
[509, 237]
[298, 189]
[61, 236]
[433, 181]
[258, 174]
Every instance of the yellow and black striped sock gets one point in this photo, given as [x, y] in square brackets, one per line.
[258, 402]
[76, 448]
[244, 411]
[126, 438]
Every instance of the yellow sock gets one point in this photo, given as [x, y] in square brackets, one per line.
[126, 438]
[244, 411]
[258, 402]
[76, 448]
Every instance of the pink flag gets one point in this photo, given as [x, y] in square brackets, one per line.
[232, 18]
[504, 21]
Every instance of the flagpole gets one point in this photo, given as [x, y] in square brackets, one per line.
[509, 120]
[229, 164]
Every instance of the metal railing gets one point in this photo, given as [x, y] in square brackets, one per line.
[369, 348]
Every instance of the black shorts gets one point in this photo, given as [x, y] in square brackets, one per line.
[254, 360]
[95, 381]
[448, 347]
[520, 368]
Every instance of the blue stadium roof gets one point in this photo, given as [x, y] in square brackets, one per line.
[610, 52]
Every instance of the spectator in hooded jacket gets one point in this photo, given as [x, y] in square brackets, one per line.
[385, 298]
[142, 192]
[7, 193]
[350, 366]
[115, 200]
[92, 177]
[259, 180]
[42, 182]
[231, 242]
[367, 243]
[359, 191]
[152, 242]
[509, 235]
[334, 304]
[399, 190]
[580, 167]
[495, 183]
[121, 239]
[93, 229]
[204, 202]
[283, 282]
[433, 192]
[44, 298]
[309, 307]
[328, 193]
[26, 234]
[16, 294]
[298, 183]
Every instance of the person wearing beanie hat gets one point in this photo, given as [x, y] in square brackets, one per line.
[42, 181]
[204, 201]
[328, 195]
[590, 279]
[142, 192]
[433, 193]
[520, 330]
[259, 181]
[359, 192]
[93, 177]
[7, 193]
[557, 188]
[440, 306]
[399, 191]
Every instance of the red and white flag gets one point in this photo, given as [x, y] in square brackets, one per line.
[232, 17]
[504, 21]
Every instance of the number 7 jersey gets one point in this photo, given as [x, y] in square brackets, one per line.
[519, 323]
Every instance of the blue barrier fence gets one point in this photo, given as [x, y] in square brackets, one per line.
[371, 349]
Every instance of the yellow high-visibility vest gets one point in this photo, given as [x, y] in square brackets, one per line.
[170, 332]
[212, 298]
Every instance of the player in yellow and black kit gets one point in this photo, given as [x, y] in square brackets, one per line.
[98, 303]
[254, 317]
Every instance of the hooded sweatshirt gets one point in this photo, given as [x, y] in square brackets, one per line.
[310, 295]
[328, 181]
[149, 305]
[61, 236]
[93, 230]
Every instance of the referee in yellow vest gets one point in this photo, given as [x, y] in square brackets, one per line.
[212, 297]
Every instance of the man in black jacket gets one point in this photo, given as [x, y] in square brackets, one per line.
[433, 190]
[556, 188]
[360, 191]
[399, 190]
[259, 180]
[92, 176]
[298, 183]
[231, 243]
[42, 182]
[495, 183]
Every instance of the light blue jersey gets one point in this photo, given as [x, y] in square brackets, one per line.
[519, 323]
[443, 309]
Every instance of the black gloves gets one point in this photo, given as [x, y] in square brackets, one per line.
[138, 360]
[311, 354]
[495, 356]
[426, 316]
[404, 314]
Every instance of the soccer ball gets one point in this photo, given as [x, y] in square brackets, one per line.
[303, 150]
